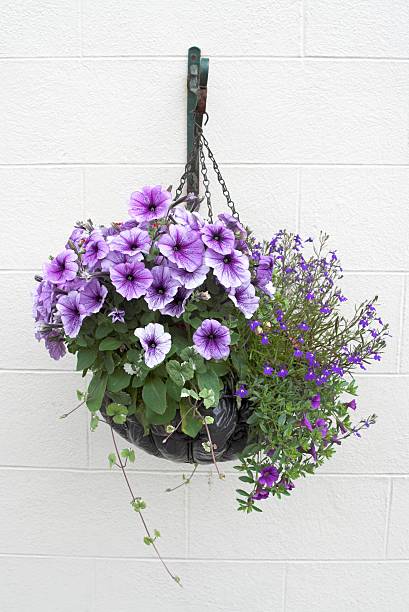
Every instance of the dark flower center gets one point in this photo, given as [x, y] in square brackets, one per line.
[211, 336]
[176, 248]
[152, 344]
[161, 290]
[227, 259]
[152, 208]
[216, 237]
[130, 277]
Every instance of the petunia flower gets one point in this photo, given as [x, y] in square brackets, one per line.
[117, 315]
[152, 202]
[232, 269]
[131, 280]
[176, 307]
[260, 493]
[218, 238]
[131, 241]
[72, 313]
[190, 280]
[155, 342]
[162, 289]
[95, 249]
[244, 297]
[183, 247]
[62, 268]
[93, 296]
[212, 340]
[264, 270]
[268, 476]
[184, 217]
[233, 224]
[115, 257]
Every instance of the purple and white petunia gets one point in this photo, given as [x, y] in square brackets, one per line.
[155, 342]
[72, 313]
[95, 249]
[245, 299]
[212, 340]
[183, 247]
[131, 280]
[162, 289]
[117, 315]
[264, 270]
[176, 306]
[218, 238]
[62, 268]
[184, 217]
[152, 202]
[190, 280]
[93, 296]
[131, 241]
[232, 269]
[233, 224]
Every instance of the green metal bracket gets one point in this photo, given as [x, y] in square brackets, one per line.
[197, 73]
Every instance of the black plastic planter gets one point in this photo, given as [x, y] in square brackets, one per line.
[228, 432]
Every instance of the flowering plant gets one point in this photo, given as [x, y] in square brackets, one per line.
[167, 311]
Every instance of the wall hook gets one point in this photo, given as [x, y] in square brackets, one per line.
[197, 73]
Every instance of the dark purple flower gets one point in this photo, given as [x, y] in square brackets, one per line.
[298, 353]
[72, 313]
[352, 404]
[305, 422]
[310, 375]
[254, 325]
[156, 343]
[95, 249]
[117, 316]
[218, 238]
[325, 310]
[245, 299]
[150, 203]
[163, 288]
[183, 247]
[260, 494]
[315, 401]
[191, 280]
[241, 392]
[232, 269]
[287, 484]
[268, 370]
[310, 296]
[282, 372]
[268, 476]
[265, 269]
[131, 241]
[93, 296]
[54, 343]
[212, 340]
[264, 339]
[131, 280]
[303, 326]
[62, 268]
[322, 425]
[233, 224]
[377, 357]
[176, 307]
[313, 452]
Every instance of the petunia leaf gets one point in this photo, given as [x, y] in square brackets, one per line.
[154, 394]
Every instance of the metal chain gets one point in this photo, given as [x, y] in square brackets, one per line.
[188, 166]
[206, 182]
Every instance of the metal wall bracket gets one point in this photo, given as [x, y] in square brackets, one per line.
[197, 73]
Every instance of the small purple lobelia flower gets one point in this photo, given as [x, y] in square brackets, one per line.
[152, 202]
[315, 401]
[182, 247]
[241, 392]
[93, 296]
[62, 268]
[176, 306]
[212, 340]
[72, 313]
[218, 238]
[268, 476]
[131, 280]
[282, 372]
[232, 269]
[131, 241]
[155, 342]
[268, 370]
[163, 288]
[117, 315]
[191, 280]
[265, 270]
[245, 299]
[95, 249]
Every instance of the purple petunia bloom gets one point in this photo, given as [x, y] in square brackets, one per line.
[131, 241]
[54, 343]
[43, 301]
[115, 257]
[190, 280]
[264, 270]
[155, 342]
[182, 247]
[305, 422]
[212, 340]
[62, 268]
[72, 313]
[241, 392]
[176, 307]
[218, 238]
[117, 315]
[315, 401]
[150, 203]
[131, 280]
[232, 269]
[233, 224]
[163, 288]
[95, 249]
[260, 494]
[322, 425]
[183, 217]
[245, 299]
[268, 476]
[93, 296]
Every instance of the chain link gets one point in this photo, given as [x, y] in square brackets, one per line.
[188, 166]
[206, 182]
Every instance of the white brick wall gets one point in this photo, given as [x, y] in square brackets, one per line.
[309, 117]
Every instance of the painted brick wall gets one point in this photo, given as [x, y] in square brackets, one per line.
[309, 117]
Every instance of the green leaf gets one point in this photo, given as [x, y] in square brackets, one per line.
[109, 362]
[221, 368]
[110, 344]
[173, 390]
[210, 380]
[96, 391]
[111, 459]
[187, 370]
[154, 394]
[190, 424]
[281, 419]
[118, 380]
[103, 330]
[134, 356]
[85, 358]
[165, 418]
[118, 412]
[174, 369]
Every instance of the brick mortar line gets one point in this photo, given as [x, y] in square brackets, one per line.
[216, 58]
[180, 164]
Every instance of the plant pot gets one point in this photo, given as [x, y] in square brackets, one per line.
[228, 432]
